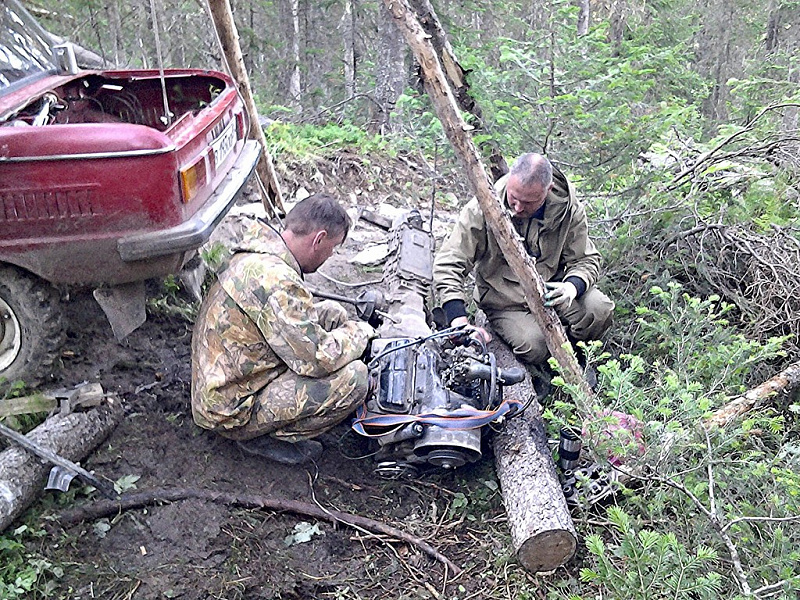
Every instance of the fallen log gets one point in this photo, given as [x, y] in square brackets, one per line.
[783, 382]
[72, 436]
[542, 530]
[105, 508]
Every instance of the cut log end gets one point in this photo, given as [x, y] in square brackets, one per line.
[548, 550]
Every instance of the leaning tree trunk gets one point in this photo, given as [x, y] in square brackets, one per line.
[457, 79]
[72, 436]
[455, 128]
[541, 543]
[222, 15]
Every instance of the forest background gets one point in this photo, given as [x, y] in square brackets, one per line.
[678, 122]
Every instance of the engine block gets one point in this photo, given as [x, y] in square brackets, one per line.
[432, 393]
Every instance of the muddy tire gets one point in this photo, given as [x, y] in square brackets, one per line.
[31, 328]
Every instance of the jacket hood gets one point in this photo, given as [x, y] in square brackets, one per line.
[260, 238]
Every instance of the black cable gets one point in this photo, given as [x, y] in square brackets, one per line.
[437, 334]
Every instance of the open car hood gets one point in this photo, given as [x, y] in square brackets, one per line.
[25, 52]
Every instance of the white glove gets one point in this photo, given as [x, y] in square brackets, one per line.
[561, 294]
[331, 314]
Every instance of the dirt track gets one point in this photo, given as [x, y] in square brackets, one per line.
[199, 549]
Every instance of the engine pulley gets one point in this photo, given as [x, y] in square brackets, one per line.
[392, 469]
[447, 458]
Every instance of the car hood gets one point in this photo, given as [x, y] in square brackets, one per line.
[25, 52]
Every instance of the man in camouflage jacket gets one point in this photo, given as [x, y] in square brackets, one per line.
[553, 226]
[266, 360]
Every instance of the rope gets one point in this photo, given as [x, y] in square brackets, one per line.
[460, 419]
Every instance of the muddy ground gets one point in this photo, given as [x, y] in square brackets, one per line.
[195, 549]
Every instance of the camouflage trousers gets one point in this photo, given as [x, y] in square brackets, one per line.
[293, 407]
[588, 318]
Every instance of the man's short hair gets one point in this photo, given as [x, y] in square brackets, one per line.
[318, 211]
[533, 169]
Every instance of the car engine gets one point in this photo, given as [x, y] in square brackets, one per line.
[433, 392]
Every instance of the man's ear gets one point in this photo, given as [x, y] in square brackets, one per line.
[319, 237]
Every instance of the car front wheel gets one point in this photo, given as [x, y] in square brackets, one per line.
[31, 331]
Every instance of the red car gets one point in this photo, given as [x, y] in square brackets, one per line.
[107, 178]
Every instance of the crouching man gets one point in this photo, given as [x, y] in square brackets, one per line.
[270, 368]
[553, 227]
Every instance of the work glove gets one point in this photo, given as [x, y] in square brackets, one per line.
[331, 314]
[478, 333]
[371, 331]
[561, 294]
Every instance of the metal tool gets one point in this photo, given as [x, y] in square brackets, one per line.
[58, 479]
[368, 304]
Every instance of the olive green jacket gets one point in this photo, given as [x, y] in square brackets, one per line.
[559, 242]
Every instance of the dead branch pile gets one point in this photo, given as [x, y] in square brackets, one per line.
[759, 273]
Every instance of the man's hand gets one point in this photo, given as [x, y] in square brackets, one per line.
[561, 294]
[331, 314]
[476, 332]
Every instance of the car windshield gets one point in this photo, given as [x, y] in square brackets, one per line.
[24, 50]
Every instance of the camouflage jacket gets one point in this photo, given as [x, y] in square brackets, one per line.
[559, 241]
[257, 321]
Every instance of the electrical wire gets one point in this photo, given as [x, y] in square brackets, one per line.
[167, 111]
[415, 342]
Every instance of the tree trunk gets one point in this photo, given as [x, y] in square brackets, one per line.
[457, 79]
[389, 72]
[71, 436]
[789, 122]
[583, 18]
[617, 26]
[116, 23]
[349, 47]
[252, 46]
[772, 37]
[508, 240]
[542, 530]
[294, 77]
[271, 197]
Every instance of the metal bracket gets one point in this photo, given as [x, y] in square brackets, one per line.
[123, 306]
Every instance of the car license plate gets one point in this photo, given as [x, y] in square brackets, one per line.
[224, 143]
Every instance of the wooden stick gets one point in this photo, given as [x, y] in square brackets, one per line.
[222, 16]
[104, 508]
[785, 381]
